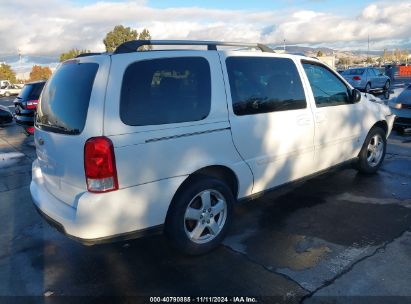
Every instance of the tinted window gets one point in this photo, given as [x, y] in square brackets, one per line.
[32, 91]
[378, 72]
[65, 99]
[260, 85]
[327, 88]
[354, 72]
[371, 73]
[164, 91]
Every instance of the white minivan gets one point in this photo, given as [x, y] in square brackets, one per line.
[132, 142]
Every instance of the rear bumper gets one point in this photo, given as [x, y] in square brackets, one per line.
[106, 217]
[24, 121]
[24, 117]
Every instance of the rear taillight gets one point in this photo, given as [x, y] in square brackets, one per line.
[100, 165]
[356, 78]
[30, 130]
[32, 104]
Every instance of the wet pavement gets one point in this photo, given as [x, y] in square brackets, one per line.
[338, 235]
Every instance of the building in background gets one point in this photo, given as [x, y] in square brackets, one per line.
[328, 60]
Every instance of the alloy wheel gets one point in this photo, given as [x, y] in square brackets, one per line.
[375, 150]
[205, 216]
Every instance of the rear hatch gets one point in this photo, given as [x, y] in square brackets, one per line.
[26, 102]
[353, 75]
[69, 112]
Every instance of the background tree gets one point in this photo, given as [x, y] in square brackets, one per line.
[369, 60]
[385, 56]
[72, 54]
[121, 34]
[6, 73]
[320, 53]
[346, 61]
[39, 73]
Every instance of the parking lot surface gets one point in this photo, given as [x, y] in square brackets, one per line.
[338, 235]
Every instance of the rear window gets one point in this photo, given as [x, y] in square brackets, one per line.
[32, 91]
[65, 99]
[165, 91]
[354, 72]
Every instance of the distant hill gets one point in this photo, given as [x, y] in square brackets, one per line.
[312, 51]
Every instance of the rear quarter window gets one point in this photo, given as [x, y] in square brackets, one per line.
[165, 91]
[64, 103]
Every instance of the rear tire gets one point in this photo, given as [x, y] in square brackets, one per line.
[199, 216]
[367, 88]
[372, 152]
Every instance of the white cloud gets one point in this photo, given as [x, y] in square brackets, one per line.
[43, 27]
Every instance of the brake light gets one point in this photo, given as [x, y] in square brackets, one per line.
[356, 78]
[32, 104]
[100, 165]
[30, 130]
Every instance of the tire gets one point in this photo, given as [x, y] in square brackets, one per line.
[372, 152]
[7, 94]
[193, 225]
[367, 87]
[387, 85]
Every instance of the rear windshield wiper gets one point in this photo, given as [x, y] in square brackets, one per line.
[61, 129]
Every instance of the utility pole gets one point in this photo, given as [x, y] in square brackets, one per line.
[284, 45]
[19, 51]
[368, 49]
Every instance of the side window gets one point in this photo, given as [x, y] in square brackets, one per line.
[371, 72]
[166, 90]
[327, 88]
[262, 84]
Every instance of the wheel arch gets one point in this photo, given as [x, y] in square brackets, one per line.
[220, 172]
[382, 124]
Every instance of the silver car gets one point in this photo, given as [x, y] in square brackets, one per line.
[401, 107]
[367, 79]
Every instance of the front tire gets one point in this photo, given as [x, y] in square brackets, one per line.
[387, 85]
[372, 152]
[199, 216]
[7, 94]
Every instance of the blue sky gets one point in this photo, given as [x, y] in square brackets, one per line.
[45, 28]
[343, 6]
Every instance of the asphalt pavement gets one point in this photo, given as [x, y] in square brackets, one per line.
[339, 237]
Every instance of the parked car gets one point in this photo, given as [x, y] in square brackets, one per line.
[401, 107]
[4, 84]
[10, 90]
[139, 141]
[26, 105]
[367, 79]
[5, 115]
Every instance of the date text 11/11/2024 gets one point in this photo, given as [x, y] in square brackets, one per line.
[203, 300]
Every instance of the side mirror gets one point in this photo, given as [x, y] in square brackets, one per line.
[355, 95]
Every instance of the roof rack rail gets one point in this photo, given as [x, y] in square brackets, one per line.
[132, 46]
[87, 54]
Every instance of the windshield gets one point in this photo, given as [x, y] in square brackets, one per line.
[64, 103]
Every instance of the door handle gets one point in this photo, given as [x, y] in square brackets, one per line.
[303, 120]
